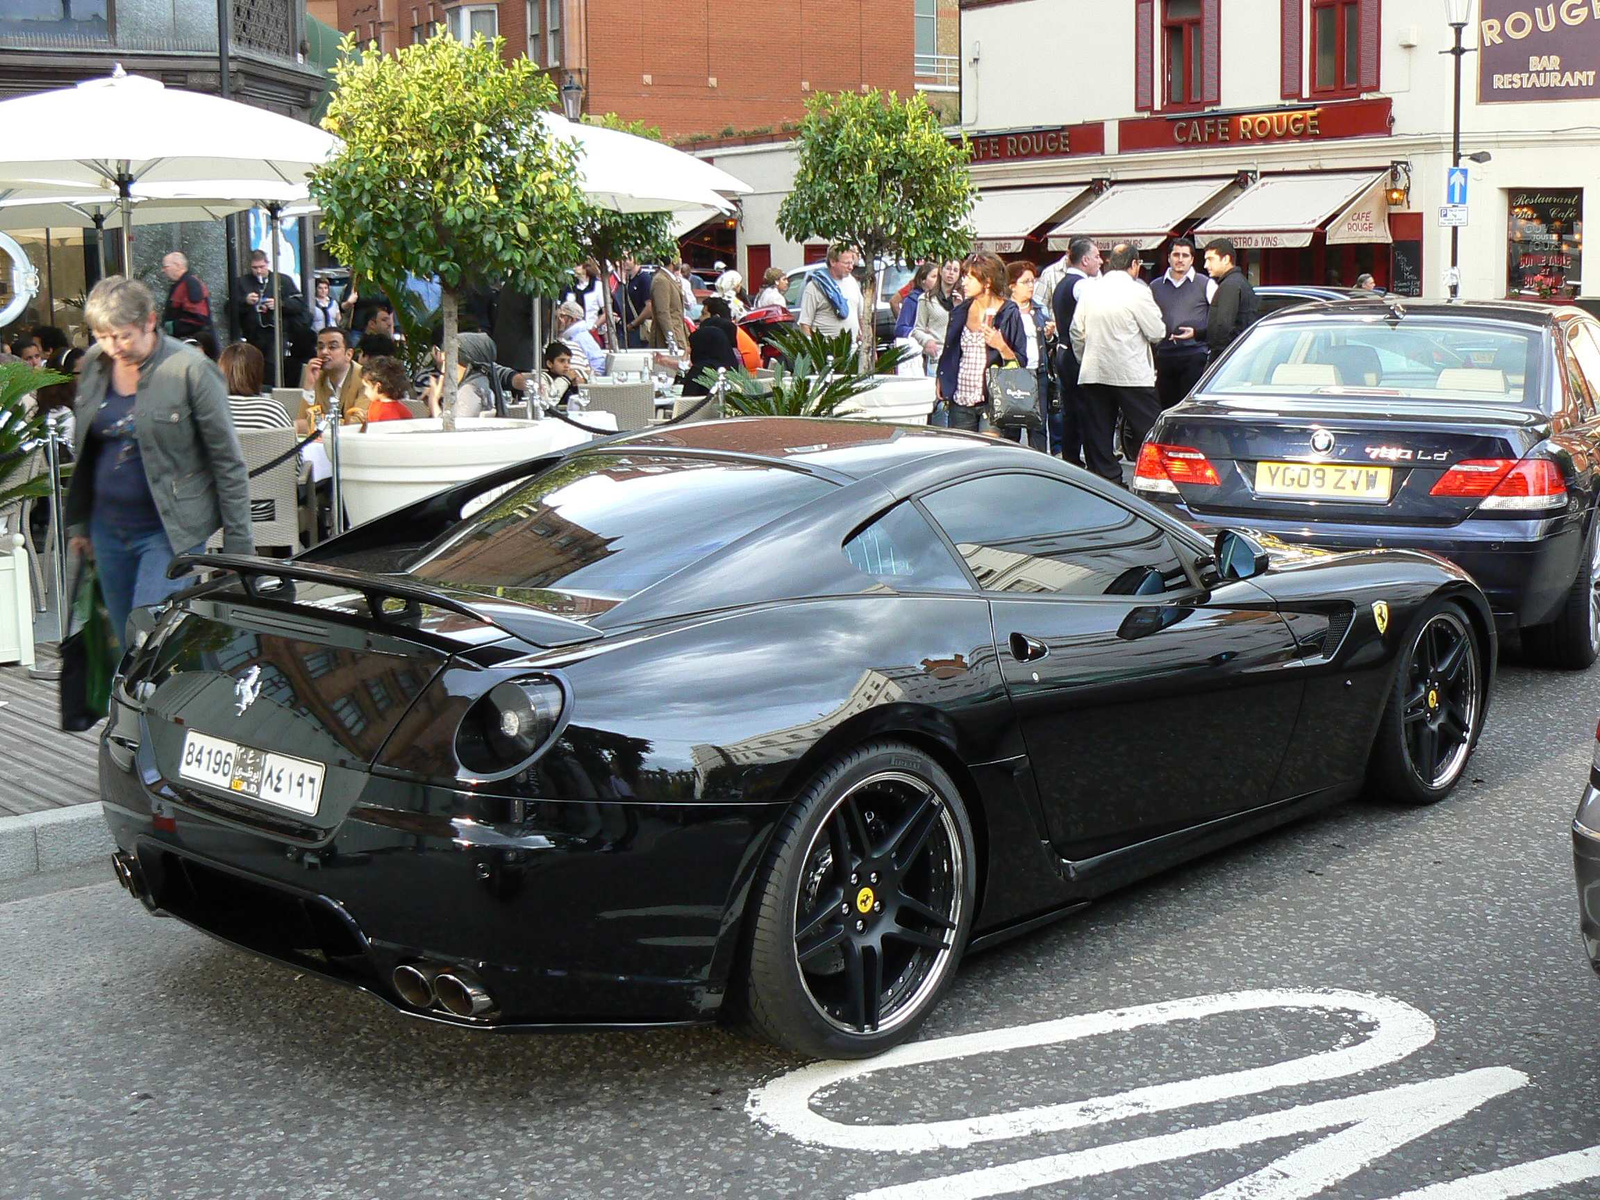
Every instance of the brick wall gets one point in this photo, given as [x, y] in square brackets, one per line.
[696, 66]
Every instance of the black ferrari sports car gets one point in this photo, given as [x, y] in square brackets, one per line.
[1467, 429]
[770, 719]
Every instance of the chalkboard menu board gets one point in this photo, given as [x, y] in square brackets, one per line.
[1406, 277]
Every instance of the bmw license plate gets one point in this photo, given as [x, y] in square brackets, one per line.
[1324, 481]
[277, 779]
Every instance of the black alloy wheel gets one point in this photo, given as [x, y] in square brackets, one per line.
[1571, 642]
[1435, 709]
[864, 906]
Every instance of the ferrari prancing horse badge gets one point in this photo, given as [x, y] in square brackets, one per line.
[1380, 614]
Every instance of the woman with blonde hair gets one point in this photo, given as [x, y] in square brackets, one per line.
[158, 463]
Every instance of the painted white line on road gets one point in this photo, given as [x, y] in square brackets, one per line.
[1380, 1122]
[1526, 1179]
[784, 1104]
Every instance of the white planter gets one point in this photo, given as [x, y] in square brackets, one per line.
[896, 400]
[16, 602]
[394, 463]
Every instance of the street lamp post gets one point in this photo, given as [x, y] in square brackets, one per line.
[1456, 13]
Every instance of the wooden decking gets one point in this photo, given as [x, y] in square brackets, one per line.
[40, 766]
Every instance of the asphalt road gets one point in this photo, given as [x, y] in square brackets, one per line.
[141, 1059]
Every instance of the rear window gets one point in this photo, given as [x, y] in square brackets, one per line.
[597, 529]
[1454, 360]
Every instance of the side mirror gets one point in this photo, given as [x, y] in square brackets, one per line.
[1239, 556]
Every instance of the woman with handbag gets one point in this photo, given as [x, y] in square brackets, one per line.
[158, 463]
[1040, 326]
[985, 330]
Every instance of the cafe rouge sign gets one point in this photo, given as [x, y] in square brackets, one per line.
[1357, 118]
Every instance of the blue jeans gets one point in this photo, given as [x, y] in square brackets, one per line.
[132, 565]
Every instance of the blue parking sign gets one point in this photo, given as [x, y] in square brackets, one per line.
[1455, 186]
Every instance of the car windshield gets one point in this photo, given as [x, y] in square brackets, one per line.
[1472, 361]
[597, 529]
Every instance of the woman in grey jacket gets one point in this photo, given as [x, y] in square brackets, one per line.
[158, 463]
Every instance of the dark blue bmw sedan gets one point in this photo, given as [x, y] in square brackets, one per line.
[1467, 429]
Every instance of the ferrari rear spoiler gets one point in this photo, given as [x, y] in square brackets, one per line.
[539, 628]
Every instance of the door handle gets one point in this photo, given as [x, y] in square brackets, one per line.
[1027, 649]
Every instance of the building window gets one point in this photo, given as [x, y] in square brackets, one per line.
[467, 23]
[1181, 52]
[535, 25]
[927, 27]
[1335, 45]
[1544, 243]
[63, 22]
[552, 54]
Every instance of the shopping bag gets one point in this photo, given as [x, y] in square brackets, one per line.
[1014, 395]
[88, 655]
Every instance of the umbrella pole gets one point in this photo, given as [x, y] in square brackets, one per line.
[537, 408]
[125, 202]
[273, 210]
[613, 339]
[99, 219]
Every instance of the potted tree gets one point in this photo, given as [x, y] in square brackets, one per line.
[447, 172]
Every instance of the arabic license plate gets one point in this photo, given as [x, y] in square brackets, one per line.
[1324, 481]
[276, 779]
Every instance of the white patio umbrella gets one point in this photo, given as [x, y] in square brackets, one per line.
[112, 134]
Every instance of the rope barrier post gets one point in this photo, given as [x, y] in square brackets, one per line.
[721, 389]
[274, 211]
[336, 521]
[58, 528]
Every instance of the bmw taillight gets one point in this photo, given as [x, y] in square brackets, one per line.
[1505, 484]
[509, 726]
[1162, 468]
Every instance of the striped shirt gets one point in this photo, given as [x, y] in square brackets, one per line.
[259, 412]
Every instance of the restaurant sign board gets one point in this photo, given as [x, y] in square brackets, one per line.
[1060, 141]
[1548, 50]
[1302, 123]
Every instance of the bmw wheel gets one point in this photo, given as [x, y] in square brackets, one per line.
[1435, 709]
[863, 907]
[1572, 641]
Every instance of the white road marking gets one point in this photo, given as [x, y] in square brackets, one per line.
[1379, 1122]
[1525, 1179]
[784, 1104]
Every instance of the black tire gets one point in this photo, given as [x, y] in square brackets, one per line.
[1572, 640]
[830, 985]
[1435, 709]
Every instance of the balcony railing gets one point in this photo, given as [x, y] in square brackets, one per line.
[937, 70]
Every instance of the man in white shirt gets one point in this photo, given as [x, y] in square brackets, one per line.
[817, 310]
[579, 335]
[1113, 328]
[1083, 265]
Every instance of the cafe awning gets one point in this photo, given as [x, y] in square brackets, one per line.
[1288, 210]
[1145, 214]
[1002, 220]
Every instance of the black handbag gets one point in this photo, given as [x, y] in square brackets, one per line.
[87, 655]
[1014, 396]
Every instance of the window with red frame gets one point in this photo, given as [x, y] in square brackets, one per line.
[1182, 53]
[1335, 46]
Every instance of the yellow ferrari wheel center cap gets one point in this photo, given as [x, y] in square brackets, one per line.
[1433, 697]
[864, 900]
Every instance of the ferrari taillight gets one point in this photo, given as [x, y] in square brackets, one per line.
[1162, 468]
[1505, 484]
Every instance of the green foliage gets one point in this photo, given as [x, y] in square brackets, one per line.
[448, 171]
[816, 375]
[17, 432]
[878, 173]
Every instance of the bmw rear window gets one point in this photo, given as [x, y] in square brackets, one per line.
[1459, 361]
[599, 528]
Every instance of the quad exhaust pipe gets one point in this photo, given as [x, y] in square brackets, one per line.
[126, 869]
[456, 990]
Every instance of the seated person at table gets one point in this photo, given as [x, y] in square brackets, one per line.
[244, 370]
[559, 376]
[711, 345]
[377, 345]
[588, 360]
[384, 387]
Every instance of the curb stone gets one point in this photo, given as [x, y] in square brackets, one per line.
[35, 843]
